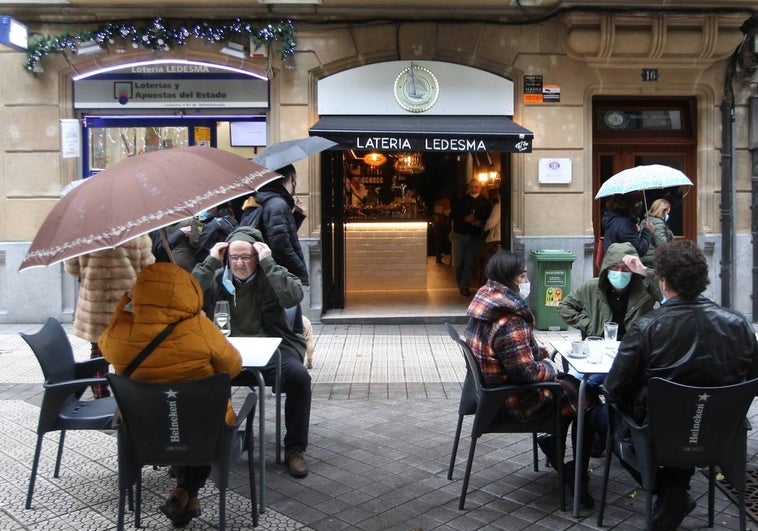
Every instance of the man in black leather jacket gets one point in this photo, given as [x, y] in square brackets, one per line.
[690, 340]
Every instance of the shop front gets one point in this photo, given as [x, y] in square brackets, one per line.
[380, 185]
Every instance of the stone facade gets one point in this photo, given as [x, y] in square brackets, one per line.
[585, 54]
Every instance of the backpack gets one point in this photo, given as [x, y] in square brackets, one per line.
[253, 219]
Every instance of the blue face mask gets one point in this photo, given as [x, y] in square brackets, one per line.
[202, 216]
[666, 218]
[619, 279]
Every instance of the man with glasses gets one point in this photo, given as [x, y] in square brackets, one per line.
[242, 271]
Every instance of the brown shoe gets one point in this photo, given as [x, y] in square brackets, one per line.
[191, 510]
[298, 468]
[175, 504]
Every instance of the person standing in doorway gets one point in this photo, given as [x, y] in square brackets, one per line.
[441, 227]
[104, 276]
[469, 215]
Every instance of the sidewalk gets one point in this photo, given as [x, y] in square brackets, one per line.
[384, 411]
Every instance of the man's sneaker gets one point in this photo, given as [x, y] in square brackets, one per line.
[298, 468]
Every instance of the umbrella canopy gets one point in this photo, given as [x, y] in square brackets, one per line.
[641, 178]
[141, 194]
[283, 153]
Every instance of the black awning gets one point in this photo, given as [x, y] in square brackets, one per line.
[425, 133]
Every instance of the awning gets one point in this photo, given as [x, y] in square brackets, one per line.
[425, 133]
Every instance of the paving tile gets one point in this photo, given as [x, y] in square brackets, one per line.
[385, 400]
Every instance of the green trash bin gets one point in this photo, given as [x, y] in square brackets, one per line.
[551, 282]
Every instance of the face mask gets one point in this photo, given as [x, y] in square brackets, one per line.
[523, 289]
[666, 218]
[474, 195]
[619, 279]
[664, 300]
[202, 216]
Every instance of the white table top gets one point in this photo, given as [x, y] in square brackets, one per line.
[581, 364]
[256, 351]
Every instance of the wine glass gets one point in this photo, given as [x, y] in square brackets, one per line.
[222, 318]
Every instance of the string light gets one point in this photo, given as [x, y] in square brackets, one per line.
[161, 35]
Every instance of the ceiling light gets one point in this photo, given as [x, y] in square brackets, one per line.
[375, 159]
[409, 163]
[234, 49]
[89, 48]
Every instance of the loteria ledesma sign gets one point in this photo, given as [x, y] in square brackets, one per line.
[393, 143]
[170, 85]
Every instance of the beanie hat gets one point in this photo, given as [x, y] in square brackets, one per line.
[245, 234]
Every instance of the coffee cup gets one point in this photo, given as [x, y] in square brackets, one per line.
[577, 349]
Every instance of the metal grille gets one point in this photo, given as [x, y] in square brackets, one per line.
[751, 492]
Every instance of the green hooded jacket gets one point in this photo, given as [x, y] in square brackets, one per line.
[257, 306]
[587, 308]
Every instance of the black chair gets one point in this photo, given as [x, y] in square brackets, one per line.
[466, 406]
[698, 427]
[489, 402]
[179, 423]
[65, 382]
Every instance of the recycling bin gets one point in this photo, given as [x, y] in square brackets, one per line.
[551, 282]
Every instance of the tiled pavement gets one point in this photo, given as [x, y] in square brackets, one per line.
[384, 412]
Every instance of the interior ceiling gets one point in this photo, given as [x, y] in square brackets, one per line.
[334, 11]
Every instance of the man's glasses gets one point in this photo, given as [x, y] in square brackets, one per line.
[242, 257]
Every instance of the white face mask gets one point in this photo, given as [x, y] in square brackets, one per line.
[474, 195]
[523, 289]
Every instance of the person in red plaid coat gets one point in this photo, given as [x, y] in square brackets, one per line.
[500, 332]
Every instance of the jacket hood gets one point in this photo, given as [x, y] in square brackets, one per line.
[494, 300]
[271, 190]
[615, 253]
[165, 293]
[245, 234]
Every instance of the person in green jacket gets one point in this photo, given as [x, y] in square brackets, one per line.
[242, 271]
[624, 290]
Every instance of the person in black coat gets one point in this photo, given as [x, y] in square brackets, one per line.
[279, 219]
[469, 214]
[620, 226]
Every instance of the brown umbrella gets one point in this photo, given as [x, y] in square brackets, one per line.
[141, 194]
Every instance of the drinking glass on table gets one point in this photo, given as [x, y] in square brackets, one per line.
[611, 330]
[222, 318]
[594, 349]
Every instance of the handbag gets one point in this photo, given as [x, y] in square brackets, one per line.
[147, 350]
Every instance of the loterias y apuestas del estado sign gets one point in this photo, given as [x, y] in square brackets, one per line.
[170, 85]
[506, 143]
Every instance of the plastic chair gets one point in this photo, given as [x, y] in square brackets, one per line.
[489, 402]
[671, 437]
[65, 383]
[467, 405]
[179, 423]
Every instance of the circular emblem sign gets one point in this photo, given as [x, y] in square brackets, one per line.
[416, 89]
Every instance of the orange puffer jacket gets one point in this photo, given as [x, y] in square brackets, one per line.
[165, 293]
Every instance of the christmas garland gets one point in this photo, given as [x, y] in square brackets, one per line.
[161, 35]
